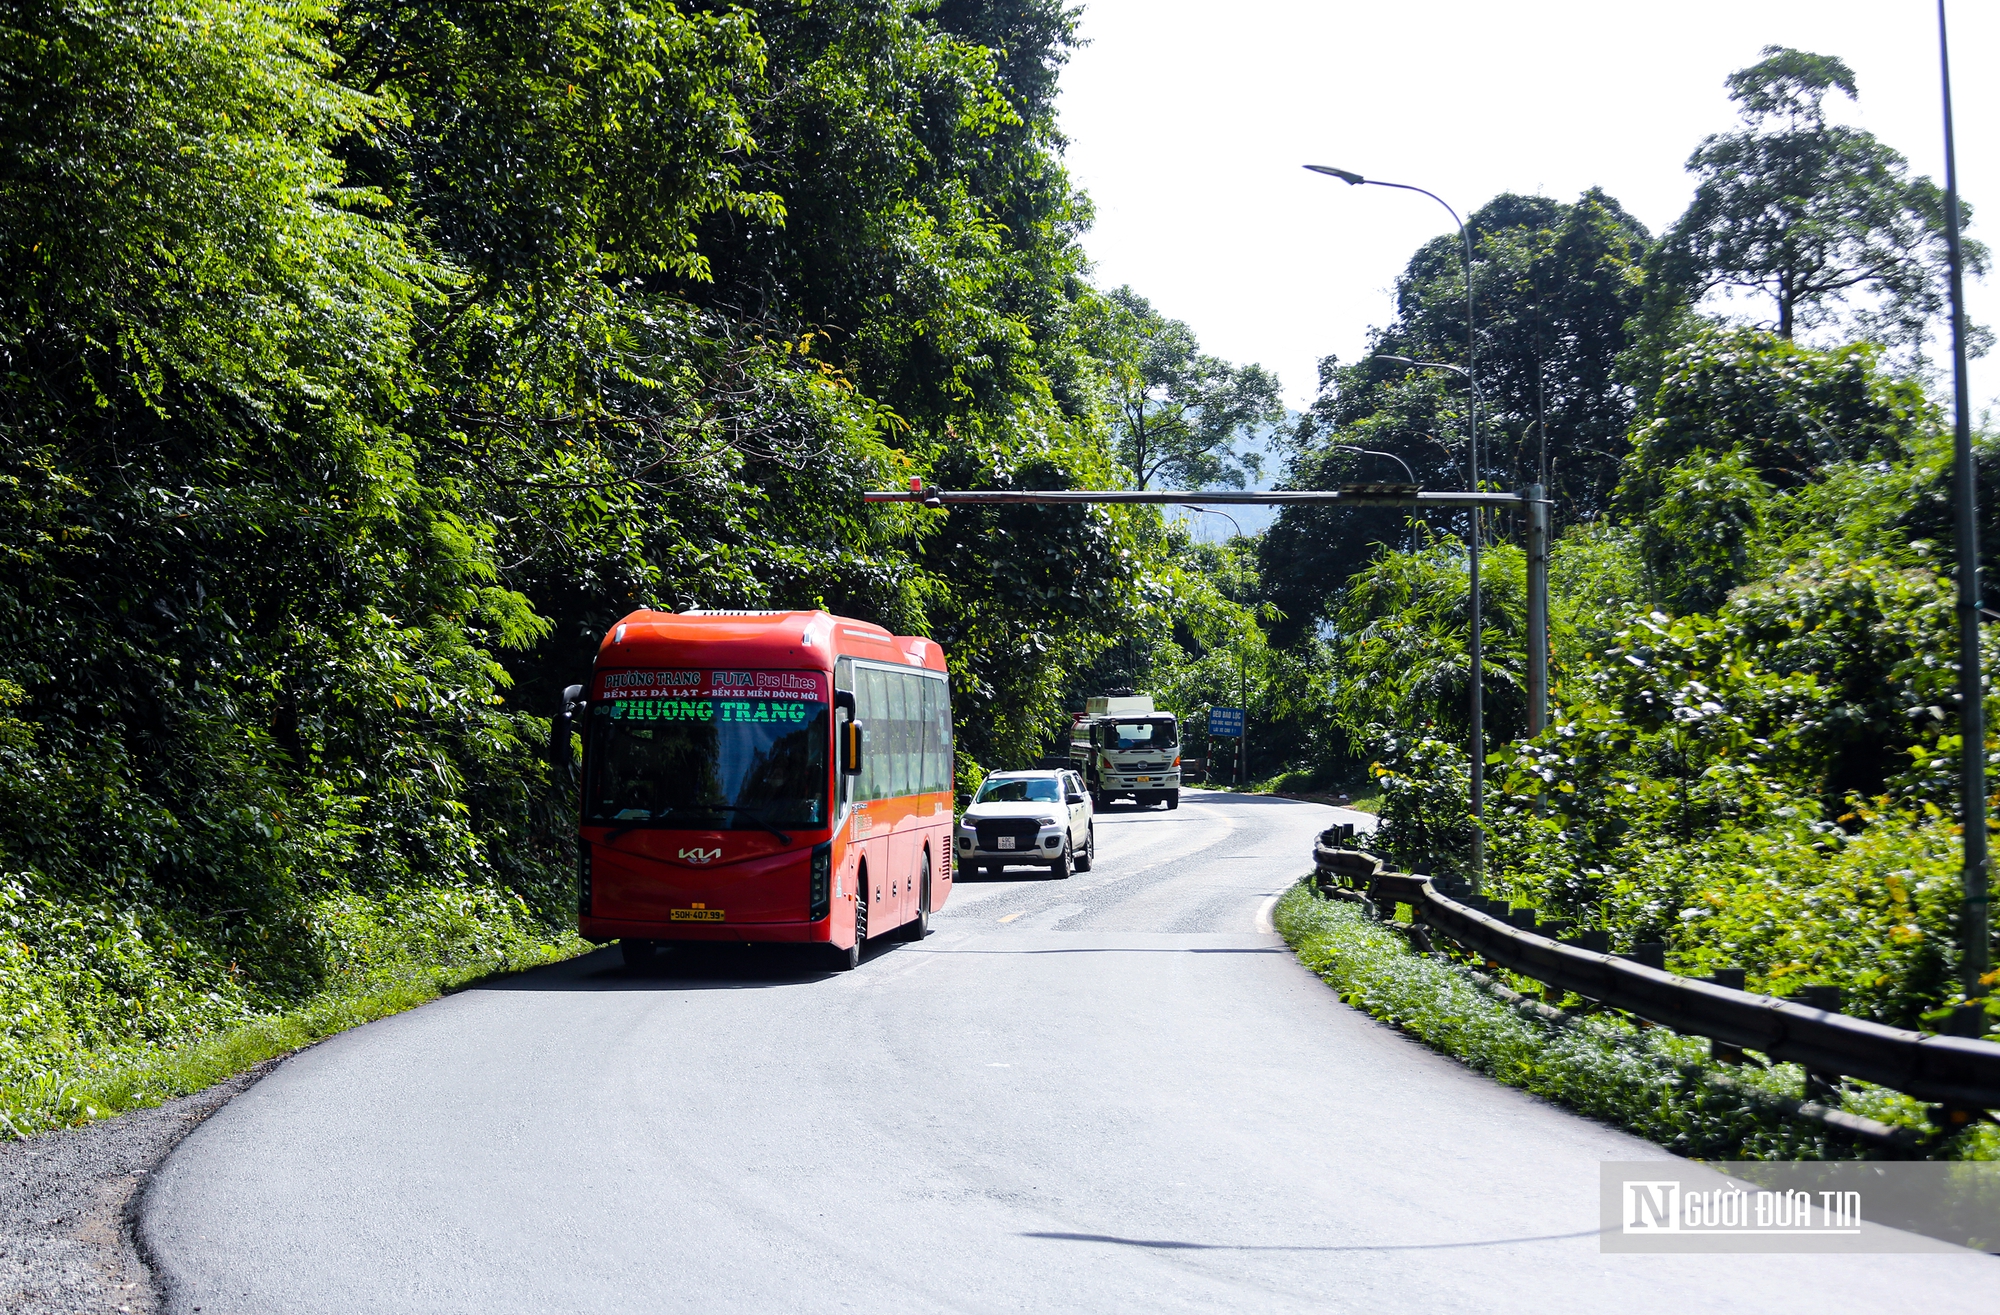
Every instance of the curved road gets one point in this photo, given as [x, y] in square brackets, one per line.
[1114, 1093]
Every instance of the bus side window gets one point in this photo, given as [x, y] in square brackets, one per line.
[927, 730]
[913, 735]
[874, 700]
[913, 732]
[948, 764]
[899, 760]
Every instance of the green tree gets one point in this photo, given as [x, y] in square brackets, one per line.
[1816, 218]
[1705, 533]
[1794, 411]
[1554, 285]
[1404, 660]
[1177, 414]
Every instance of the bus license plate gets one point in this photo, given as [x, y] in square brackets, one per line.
[1142, 779]
[695, 915]
[1006, 842]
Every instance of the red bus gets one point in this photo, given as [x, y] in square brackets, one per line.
[761, 777]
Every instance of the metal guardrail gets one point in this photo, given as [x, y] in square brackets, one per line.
[1957, 1072]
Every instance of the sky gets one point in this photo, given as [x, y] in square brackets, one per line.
[1189, 124]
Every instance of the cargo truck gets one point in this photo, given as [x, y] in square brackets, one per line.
[1123, 748]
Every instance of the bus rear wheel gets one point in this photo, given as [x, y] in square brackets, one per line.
[920, 926]
[638, 954]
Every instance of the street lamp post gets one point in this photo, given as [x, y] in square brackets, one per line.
[1973, 912]
[1478, 698]
[1475, 646]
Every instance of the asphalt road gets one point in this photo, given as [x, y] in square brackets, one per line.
[1114, 1093]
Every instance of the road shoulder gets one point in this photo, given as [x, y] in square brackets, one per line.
[67, 1200]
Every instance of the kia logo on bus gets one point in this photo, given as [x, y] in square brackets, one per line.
[700, 855]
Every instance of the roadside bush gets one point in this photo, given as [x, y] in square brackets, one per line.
[1645, 1079]
[104, 1007]
[1426, 809]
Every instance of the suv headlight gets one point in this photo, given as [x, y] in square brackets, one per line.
[1045, 821]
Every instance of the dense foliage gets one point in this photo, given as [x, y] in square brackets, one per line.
[1753, 750]
[364, 362]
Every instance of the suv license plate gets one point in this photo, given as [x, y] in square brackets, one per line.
[1006, 842]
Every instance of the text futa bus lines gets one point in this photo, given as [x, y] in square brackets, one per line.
[767, 777]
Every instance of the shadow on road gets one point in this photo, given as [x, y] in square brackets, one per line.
[685, 967]
[1219, 796]
[1163, 1245]
[1014, 872]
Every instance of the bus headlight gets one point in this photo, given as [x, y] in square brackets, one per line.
[821, 886]
[583, 879]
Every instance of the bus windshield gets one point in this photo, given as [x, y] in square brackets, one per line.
[1143, 735]
[707, 763]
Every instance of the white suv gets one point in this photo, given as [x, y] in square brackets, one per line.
[1041, 818]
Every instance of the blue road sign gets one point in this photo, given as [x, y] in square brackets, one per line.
[1225, 721]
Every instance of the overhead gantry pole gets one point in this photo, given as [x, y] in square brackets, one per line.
[1532, 500]
[1349, 495]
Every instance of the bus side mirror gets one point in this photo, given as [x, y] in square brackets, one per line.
[561, 754]
[853, 739]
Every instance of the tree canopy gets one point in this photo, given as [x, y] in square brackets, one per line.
[1816, 219]
[1554, 285]
[1176, 413]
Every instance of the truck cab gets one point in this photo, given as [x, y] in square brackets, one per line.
[1123, 747]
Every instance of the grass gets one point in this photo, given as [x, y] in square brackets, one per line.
[1646, 1080]
[99, 1085]
[1367, 800]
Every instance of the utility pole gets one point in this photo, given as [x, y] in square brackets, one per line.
[1243, 702]
[1972, 921]
[1535, 495]
[1476, 636]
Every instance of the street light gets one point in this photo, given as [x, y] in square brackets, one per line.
[1974, 913]
[1473, 544]
[1370, 452]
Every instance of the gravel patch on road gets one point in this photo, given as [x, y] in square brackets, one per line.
[66, 1207]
